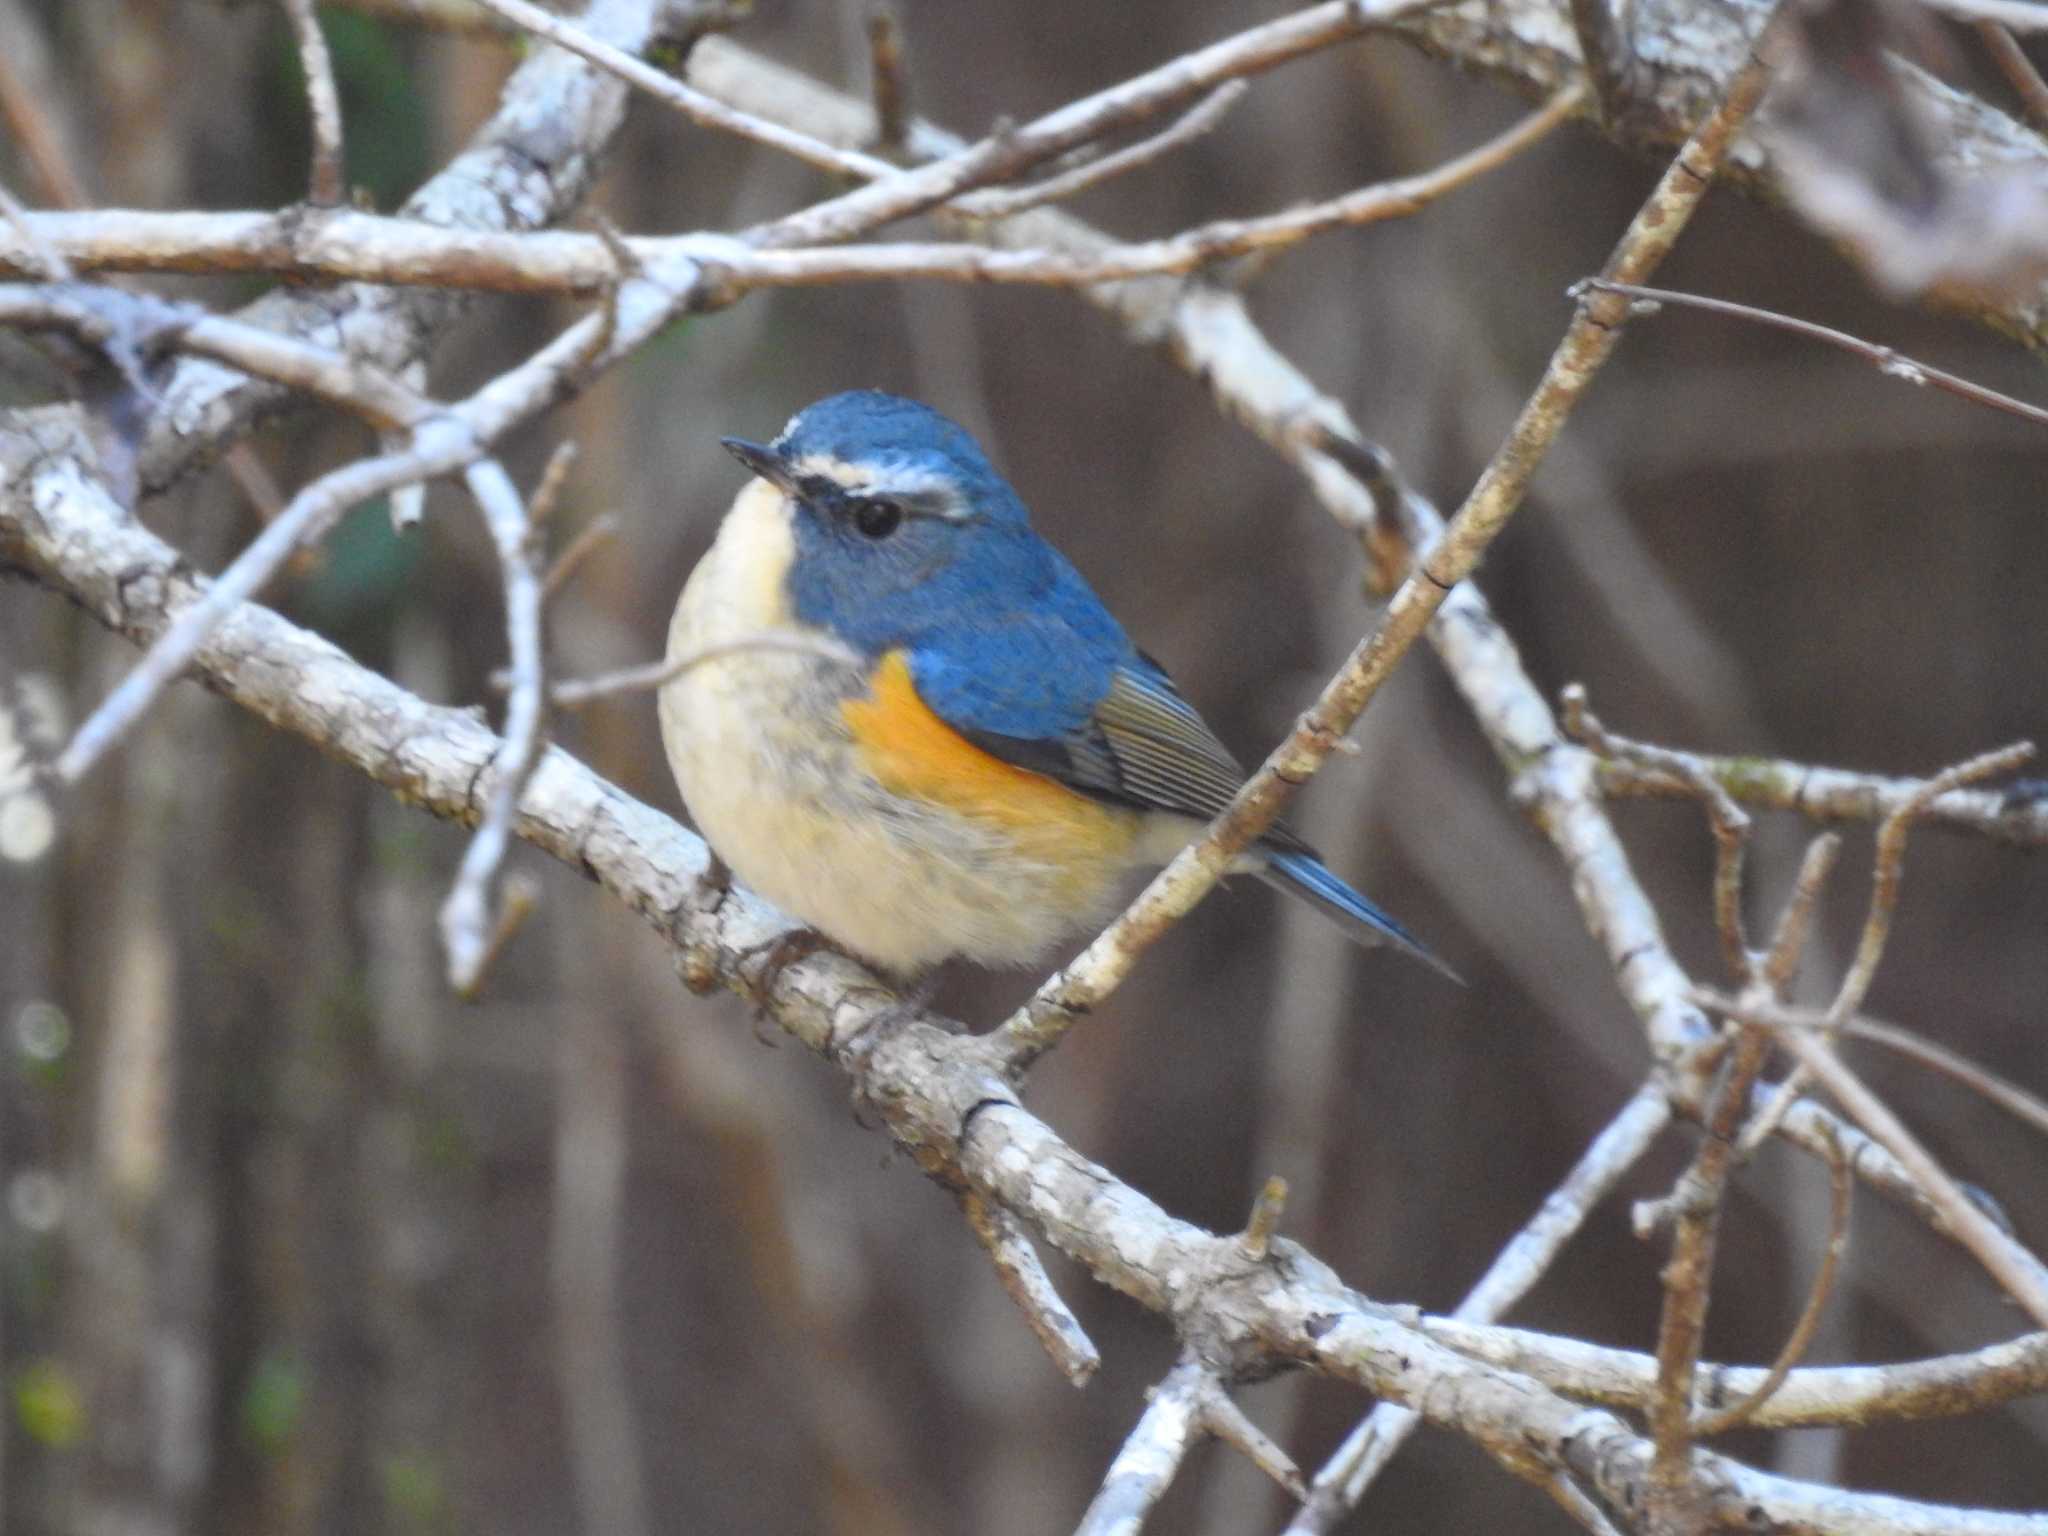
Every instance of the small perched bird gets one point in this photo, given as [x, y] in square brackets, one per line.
[910, 723]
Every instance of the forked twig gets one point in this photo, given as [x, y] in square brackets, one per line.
[1842, 1192]
[1002, 202]
[1729, 822]
[1891, 854]
[2018, 1271]
[470, 933]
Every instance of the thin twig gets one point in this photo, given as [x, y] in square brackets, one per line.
[1024, 1280]
[575, 693]
[1267, 1209]
[1891, 364]
[1587, 343]
[689, 101]
[553, 476]
[1695, 1206]
[1842, 1192]
[2007, 1095]
[325, 186]
[1904, 1391]
[891, 72]
[1222, 1418]
[518, 902]
[1151, 1454]
[1002, 202]
[1891, 853]
[2018, 815]
[1788, 939]
[2018, 1271]
[41, 143]
[1189, 251]
[467, 924]
[1730, 825]
[590, 538]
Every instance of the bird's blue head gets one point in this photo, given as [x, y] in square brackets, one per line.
[902, 528]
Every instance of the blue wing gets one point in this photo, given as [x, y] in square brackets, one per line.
[1079, 705]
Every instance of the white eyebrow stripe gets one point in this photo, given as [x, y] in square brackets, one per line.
[938, 492]
[911, 480]
[827, 466]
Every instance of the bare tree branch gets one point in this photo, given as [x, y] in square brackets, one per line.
[1730, 825]
[1837, 1394]
[2008, 1096]
[1204, 115]
[360, 247]
[1342, 1482]
[1024, 1280]
[1151, 1454]
[2017, 815]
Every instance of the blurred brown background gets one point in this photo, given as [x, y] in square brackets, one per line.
[293, 1242]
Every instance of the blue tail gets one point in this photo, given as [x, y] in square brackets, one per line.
[1304, 875]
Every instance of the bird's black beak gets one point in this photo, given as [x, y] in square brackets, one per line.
[762, 460]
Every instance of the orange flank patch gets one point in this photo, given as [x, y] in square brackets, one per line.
[913, 753]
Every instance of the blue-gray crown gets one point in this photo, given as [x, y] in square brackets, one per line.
[869, 427]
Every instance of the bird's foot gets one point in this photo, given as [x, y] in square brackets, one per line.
[909, 1002]
[776, 957]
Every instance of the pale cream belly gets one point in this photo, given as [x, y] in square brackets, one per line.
[768, 769]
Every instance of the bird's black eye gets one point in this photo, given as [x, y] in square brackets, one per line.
[876, 517]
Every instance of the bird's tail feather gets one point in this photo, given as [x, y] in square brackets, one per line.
[1305, 875]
